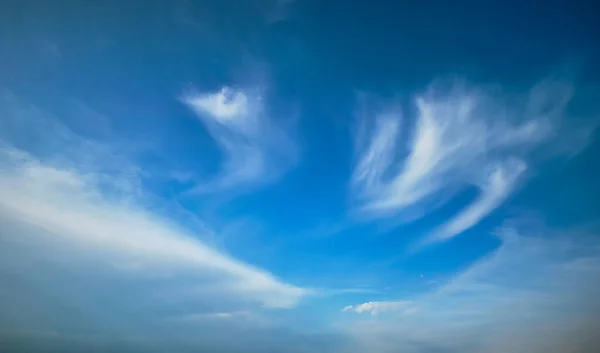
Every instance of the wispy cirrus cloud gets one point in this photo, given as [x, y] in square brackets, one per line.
[72, 208]
[79, 192]
[92, 256]
[461, 136]
[256, 148]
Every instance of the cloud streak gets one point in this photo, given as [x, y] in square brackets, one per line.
[256, 148]
[73, 209]
[90, 256]
[460, 136]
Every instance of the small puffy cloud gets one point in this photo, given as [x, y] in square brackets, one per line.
[225, 106]
[256, 148]
[460, 136]
[377, 307]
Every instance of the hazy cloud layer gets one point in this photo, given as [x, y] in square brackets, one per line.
[70, 205]
[535, 293]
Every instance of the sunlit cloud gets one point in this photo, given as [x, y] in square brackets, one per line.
[256, 148]
[377, 307]
[461, 136]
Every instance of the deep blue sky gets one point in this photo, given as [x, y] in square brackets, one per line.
[308, 176]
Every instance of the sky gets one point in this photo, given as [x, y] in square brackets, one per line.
[299, 176]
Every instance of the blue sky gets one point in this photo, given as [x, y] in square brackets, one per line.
[299, 176]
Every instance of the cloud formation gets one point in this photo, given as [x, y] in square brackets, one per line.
[91, 258]
[461, 136]
[73, 209]
[377, 307]
[255, 147]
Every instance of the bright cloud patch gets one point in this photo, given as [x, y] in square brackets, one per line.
[377, 307]
[460, 136]
[255, 147]
[225, 106]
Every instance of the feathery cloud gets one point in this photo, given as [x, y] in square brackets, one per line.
[91, 248]
[461, 136]
[256, 149]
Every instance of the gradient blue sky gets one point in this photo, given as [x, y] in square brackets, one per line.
[299, 176]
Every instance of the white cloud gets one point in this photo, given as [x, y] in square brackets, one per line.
[73, 209]
[497, 187]
[87, 250]
[256, 148]
[377, 307]
[462, 136]
[227, 107]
